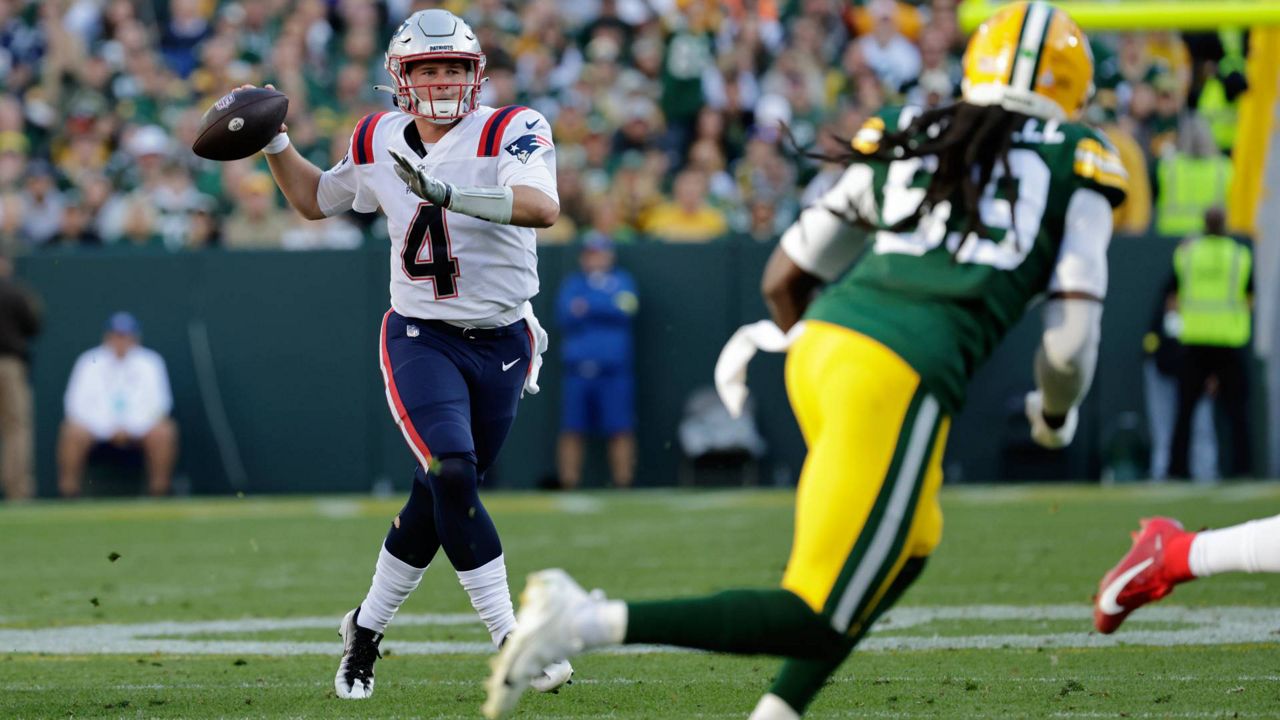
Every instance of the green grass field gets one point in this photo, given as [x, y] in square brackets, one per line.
[228, 608]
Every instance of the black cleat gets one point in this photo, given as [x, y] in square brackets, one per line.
[359, 652]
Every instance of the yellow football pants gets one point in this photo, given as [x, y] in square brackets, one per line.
[868, 494]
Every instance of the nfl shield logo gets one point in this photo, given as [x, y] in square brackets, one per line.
[411, 330]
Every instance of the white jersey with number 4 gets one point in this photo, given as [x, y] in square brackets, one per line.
[445, 265]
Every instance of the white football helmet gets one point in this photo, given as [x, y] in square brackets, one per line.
[435, 35]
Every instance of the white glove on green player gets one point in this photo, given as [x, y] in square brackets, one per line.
[1044, 435]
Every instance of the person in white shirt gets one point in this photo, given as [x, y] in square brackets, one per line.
[118, 395]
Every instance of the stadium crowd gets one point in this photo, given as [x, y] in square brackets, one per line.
[675, 120]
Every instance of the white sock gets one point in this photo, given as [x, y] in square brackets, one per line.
[601, 622]
[772, 707]
[393, 580]
[487, 586]
[1250, 547]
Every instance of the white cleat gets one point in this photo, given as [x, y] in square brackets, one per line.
[553, 677]
[543, 638]
[354, 680]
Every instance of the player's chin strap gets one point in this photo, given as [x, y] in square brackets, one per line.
[487, 203]
[731, 367]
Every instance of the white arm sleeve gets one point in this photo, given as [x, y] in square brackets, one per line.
[821, 242]
[1082, 259]
[1068, 352]
[341, 189]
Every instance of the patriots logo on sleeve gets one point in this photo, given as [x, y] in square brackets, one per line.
[523, 147]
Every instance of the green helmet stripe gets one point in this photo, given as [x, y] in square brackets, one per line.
[1026, 60]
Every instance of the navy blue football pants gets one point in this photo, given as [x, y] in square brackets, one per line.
[453, 393]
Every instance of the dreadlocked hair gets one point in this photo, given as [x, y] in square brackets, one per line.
[968, 141]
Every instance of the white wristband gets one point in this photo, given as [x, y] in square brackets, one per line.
[277, 144]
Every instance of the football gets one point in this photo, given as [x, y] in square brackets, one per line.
[241, 123]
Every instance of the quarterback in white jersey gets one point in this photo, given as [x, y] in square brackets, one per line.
[462, 186]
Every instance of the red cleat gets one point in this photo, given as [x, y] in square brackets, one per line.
[1156, 562]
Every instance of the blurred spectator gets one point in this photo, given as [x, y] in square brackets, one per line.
[176, 201]
[10, 224]
[940, 74]
[332, 233]
[763, 224]
[258, 222]
[706, 157]
[1191, 176]
[1171, 127]
[1163, 364]
[1223, 81]
[13, 160]
[892, 57]
[138, 228]
[182, 35]
[118, 397]
[635, 190]
[77, 228]
[21, 47]
[19, 323]
[595, 310]
[688, 217]
[1214, 275]
[138, 166]
[689, 57]
[638, 126]
[42, 206]
[203, 230]
[606, 220]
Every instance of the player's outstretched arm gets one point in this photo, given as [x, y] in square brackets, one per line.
[1068, 352]
[787, 289]
[298, 179]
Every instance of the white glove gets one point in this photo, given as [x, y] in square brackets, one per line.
[540, 343]
[422, 184]
[731, 366]
[1045, 436]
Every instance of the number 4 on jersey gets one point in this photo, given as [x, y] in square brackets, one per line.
[429, 230]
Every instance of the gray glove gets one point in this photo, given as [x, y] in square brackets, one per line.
[422, 184]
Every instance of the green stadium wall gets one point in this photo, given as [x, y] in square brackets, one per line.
[293, 341]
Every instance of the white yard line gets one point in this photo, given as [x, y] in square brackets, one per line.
[1206, 626]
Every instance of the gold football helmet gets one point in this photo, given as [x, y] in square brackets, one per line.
[1032, 58]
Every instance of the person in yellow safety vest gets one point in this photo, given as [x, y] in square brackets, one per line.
[1214, 297]
[1186, 186]
[1220, 94]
